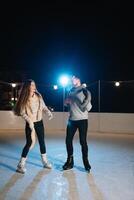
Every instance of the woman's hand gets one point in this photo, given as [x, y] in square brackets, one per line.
[50, 115]
[31, 125]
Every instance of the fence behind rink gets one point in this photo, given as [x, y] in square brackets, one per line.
[106, 96]
[112, 111]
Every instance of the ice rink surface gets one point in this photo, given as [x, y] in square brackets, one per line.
[112, 175]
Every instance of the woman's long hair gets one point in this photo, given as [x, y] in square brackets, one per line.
[23, 97]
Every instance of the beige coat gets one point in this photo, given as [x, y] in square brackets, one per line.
[27, 114]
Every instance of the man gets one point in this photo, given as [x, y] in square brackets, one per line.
[79, 101]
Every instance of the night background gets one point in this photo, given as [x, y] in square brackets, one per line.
[43, 41]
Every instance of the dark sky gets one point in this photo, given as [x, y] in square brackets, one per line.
[41, 41]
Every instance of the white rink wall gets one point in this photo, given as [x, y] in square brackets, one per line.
[98, 122]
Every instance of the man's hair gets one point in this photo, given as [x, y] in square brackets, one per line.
[75, 76]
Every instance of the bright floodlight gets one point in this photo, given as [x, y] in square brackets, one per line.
[117, 84]
[55, 87]
[64, 80]
[13, 85]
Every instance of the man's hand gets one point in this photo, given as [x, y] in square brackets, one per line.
[84, 85]
[67, 102]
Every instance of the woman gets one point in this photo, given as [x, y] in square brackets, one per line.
[30, 106]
